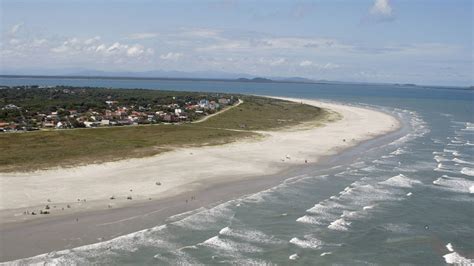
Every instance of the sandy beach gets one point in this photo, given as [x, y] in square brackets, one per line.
[159, 183]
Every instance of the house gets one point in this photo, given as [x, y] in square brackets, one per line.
[170, 118]
[223, 101]
[213, 105]
[203, 103]
[124, 122]
[48, 124]
[91, 124]
[109, 113]
[60, 125]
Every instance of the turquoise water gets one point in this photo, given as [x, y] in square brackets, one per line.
[408, 201]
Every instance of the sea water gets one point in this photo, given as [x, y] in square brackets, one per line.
[409, 200]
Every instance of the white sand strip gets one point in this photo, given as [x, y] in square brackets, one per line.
[185, 169]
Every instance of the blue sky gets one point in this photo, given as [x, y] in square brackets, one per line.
[405, 41]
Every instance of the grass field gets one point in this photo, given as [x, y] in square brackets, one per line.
[259, 113]
[45, 149]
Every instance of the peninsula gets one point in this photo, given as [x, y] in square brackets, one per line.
[119, 176]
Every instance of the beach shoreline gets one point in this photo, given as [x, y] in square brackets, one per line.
[74, 228]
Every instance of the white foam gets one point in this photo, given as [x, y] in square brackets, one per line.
[439, 167]
[440, 159]
[437, 181]
[325, 206]
[469, 127]
[409, 194]
[294, 257]
[398, 151]
[467, 171]
[449, 246]
[340, 225]
[183, 215]
[307, 219]
[400, 181]
[456, 258]
[456, 160]
[216, 242]
[201, 220]
[455, 184]
[448, 150]
[311, 243]
[252, 236]
[325, 253]
[369, 207]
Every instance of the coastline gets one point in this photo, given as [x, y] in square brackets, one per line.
[271, 165]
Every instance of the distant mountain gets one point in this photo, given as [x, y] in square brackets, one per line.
[294, 79]
[258, 79]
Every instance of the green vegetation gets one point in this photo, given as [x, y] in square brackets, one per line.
[44, 149]
[29, 108]
[37, 99]
[259, 113]
[70, 147]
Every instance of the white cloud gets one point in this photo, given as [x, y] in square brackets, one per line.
[203, 33]
[143, 35]
[327, 66]
[16, 28]
[14, 41]
[101, 48]
[331, 66]
[116, 47]
[171, 56]
[273, 61]
[381, 10]
[39, 42]
[92, 47]
[306, 63]
[60, 49]
[135, 50]
[92, 40]
[381, 7]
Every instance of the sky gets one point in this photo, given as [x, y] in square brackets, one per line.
[394, 41]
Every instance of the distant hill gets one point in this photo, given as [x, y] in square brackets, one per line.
[295, 79]
[258, 79]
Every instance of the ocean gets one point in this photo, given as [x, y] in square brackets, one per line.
[408, 200]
